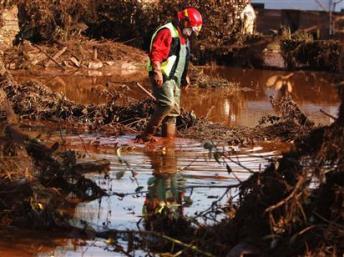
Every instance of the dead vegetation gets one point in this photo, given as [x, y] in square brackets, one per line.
[39, 183]
[292, 208]
[75, 54]
[130, 22]
[317, 55]
[133, 22]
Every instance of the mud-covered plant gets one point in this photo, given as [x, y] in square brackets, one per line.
[52, 19]
[322, 55]
[123, 19]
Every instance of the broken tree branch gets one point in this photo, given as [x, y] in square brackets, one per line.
[51, 58]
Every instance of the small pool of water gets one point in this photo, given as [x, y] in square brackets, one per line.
[182, 171]
[245, 106]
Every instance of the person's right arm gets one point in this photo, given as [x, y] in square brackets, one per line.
[160, 50]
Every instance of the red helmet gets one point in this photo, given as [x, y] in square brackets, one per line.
[193, 18]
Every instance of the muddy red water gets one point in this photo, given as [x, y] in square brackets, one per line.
[135, 168]
[243, 106]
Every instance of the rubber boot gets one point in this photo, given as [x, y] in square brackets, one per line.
[169, 130]
[154, 122]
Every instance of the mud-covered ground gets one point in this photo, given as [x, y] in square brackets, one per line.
[293, 208]
[273, 194]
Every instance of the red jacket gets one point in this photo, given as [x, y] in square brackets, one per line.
[162, 44]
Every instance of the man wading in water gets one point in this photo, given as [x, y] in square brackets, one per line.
[169, 58]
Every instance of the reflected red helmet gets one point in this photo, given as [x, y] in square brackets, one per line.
[193, 18]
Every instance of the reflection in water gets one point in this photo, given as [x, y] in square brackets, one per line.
[246, 105]
[243, 106]
[87, 88]
[164, 200]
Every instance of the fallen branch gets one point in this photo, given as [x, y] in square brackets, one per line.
[290, 196]
[51, 58]
[56, 56]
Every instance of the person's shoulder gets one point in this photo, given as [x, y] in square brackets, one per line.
[164, 32]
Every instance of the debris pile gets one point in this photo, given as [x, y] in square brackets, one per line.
[127, 21]
[292, 208]
[38, 182]
[318, 55]
[34, 101]
[75, 54]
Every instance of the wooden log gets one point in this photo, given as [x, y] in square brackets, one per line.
[75, 61]
[51, 58]
[55, 57]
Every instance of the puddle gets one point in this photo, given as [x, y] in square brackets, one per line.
[176, 172]
[312, 91]
[182, 172]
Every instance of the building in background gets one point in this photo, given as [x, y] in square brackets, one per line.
[323, 18]
[305, 5]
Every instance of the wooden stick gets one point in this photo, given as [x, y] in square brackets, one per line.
[145, 91]
[51, 58]
[327, 114]
[55, 57]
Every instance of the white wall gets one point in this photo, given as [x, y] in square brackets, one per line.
[300, 4]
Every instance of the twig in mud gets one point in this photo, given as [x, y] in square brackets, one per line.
[239, 164]
[327, 114]
[61, 136]
[134, 122]
[187, 187]
[127, 120]
[187, 166]
[293, 238]
[56, 56]
[83, 145]
[129, 40]
[339, 226]
[129, 128]
[290, 196]
[214, 203]
[133, 173]
[236, 177]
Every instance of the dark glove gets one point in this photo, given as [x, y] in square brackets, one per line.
[157, 74]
